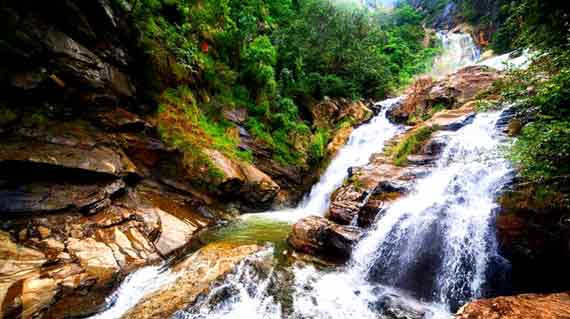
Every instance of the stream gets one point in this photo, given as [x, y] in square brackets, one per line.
[431, 252]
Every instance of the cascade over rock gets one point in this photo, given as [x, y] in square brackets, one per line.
[194, 275]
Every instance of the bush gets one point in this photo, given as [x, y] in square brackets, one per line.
[542, 151]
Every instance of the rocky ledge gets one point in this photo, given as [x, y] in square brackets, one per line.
[528, 306]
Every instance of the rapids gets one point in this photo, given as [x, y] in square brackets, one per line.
[429, 253]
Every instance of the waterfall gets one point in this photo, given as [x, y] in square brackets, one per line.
[427, 255]
[364, 141]
[437, 242]
[458, 50]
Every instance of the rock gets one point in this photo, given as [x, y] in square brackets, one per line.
[244, 180]
[74, 62]
[379, 180]
[194, 276]
[328, 113]
[339, 139]
[533, 231]
[452, 120]
[174, 233]
[97, 159]
[324, 113]
[96, 257]
[121, 120]
[316, 235]
[451, 92]
[44, 196]
[528, 306]
[238, 116]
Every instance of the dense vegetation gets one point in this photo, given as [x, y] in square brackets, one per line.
[541, 94]
[273, 58]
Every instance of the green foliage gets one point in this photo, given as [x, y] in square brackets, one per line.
[543, 149]
[269, 57]
[182, 125]
[318, 147]
[411, 144]
[535, 23]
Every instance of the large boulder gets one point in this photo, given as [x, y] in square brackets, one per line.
[243, 179]
[316, 235]
[368, 189]
[528, 306]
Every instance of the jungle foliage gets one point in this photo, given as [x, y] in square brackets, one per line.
[271, 57]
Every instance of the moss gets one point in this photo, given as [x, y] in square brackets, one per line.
[411, 144]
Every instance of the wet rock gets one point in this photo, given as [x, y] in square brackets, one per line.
[316, 235]
[528, 306]
[378, 181]
[453, 120]
[194, 276]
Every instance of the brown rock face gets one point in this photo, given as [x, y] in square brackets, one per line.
[451, 92]
[318, 236]
[529, 306]
[329, 112]
[533, 229]
[369, 187]
[194, 276]
[244, 180]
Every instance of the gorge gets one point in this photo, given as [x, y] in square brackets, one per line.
[224, 168]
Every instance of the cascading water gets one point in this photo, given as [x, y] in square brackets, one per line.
[364, 141]
[430, 252]
[458, 50]
[437, 242]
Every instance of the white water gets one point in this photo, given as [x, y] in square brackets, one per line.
[506, 61]
[428, 254]
[433, 245]
[437, 241]
[136, 286]
[458, 50]
[364, 141]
